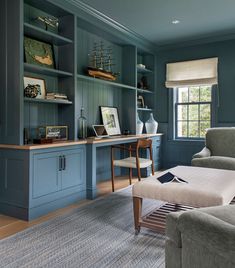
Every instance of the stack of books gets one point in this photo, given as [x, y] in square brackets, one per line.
[56, 96]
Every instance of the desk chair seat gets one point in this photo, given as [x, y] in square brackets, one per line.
[133, 161]
[130, 162]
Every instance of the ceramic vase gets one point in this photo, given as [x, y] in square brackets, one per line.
[139, 126]
[151, 125]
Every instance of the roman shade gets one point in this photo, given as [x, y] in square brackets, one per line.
[192, 73]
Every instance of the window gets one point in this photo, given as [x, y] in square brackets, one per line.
[193, 111]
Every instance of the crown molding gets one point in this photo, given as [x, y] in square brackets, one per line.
[196, 42]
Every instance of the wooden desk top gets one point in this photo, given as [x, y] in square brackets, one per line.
[42, 146]
[91, 140]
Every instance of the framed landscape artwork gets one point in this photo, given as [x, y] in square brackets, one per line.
[38, 53]
[110, 120]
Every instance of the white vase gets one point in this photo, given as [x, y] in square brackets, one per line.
[139, 126]
[151, 125]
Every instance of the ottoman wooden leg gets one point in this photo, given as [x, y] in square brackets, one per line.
[137, 208]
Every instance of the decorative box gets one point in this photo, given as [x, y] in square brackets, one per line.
[53, 132]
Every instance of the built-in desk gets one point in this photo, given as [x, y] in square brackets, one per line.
[36, 179]
[93, 144]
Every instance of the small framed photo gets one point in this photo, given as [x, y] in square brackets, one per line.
[40, 83]
[38, 53]
[140, 101]
[110, 120]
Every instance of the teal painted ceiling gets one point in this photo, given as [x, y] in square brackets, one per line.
[152, 19]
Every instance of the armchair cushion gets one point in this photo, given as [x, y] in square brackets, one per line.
[220, 162]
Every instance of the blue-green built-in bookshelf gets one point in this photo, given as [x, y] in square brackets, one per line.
[46, 36]
[143, 70]
[104, 82]
[56, 101]
[46, 71]
[72, 43]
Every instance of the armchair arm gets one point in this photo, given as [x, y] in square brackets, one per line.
[205, 152]
[209, 232]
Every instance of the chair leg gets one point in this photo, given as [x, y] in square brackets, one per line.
[112, 169]
[130, 176]
[152, 169]
[139, 173]
[137, 208]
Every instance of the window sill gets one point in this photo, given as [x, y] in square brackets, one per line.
[188, 141]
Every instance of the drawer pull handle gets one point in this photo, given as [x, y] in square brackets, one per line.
[64, 162]
[60, 163]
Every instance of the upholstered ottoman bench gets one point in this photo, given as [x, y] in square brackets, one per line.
[206, 187]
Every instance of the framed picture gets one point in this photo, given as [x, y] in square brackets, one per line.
[38, 53]
[40, 83]
[140, 101]
[110, 120]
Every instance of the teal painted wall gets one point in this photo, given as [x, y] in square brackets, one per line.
[176, 152]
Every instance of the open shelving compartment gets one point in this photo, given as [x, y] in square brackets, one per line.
[61, 79]
[145, 83]
[94, 92]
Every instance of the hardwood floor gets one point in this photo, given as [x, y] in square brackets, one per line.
[10, 225]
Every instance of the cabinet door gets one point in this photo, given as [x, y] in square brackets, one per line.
[46, 174]
[73, 168]
[156, 154]
[156, 146]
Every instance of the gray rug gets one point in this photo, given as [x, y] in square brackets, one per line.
[100, 234]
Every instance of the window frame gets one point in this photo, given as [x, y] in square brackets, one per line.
[173, 114]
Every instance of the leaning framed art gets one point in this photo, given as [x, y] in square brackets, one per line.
[39, 53]
[110, 120]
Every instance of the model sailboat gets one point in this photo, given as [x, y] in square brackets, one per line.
[101, 63]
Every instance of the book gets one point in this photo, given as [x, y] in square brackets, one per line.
[169, 177]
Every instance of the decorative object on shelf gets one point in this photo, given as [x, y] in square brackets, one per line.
[26, 136]
[42, 141]
[48, 21]
[139, 126]
[140, 101]
[53, 132]
[140, 65]
[34, 87]
[82, 126]
[56, 96]
[151, 125]
[110, 120]
[31, 91]
[38, 53]
[143, 84]
[101, 63]
[126, 132]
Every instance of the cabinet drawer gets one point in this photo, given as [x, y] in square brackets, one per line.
[156, 140]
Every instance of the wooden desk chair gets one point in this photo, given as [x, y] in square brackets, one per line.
[133, 161]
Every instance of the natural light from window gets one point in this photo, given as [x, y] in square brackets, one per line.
[193, 111]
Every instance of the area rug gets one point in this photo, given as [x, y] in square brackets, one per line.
[100, 234]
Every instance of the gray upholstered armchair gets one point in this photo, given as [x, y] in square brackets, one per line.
[219, 151]
[202, 238]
